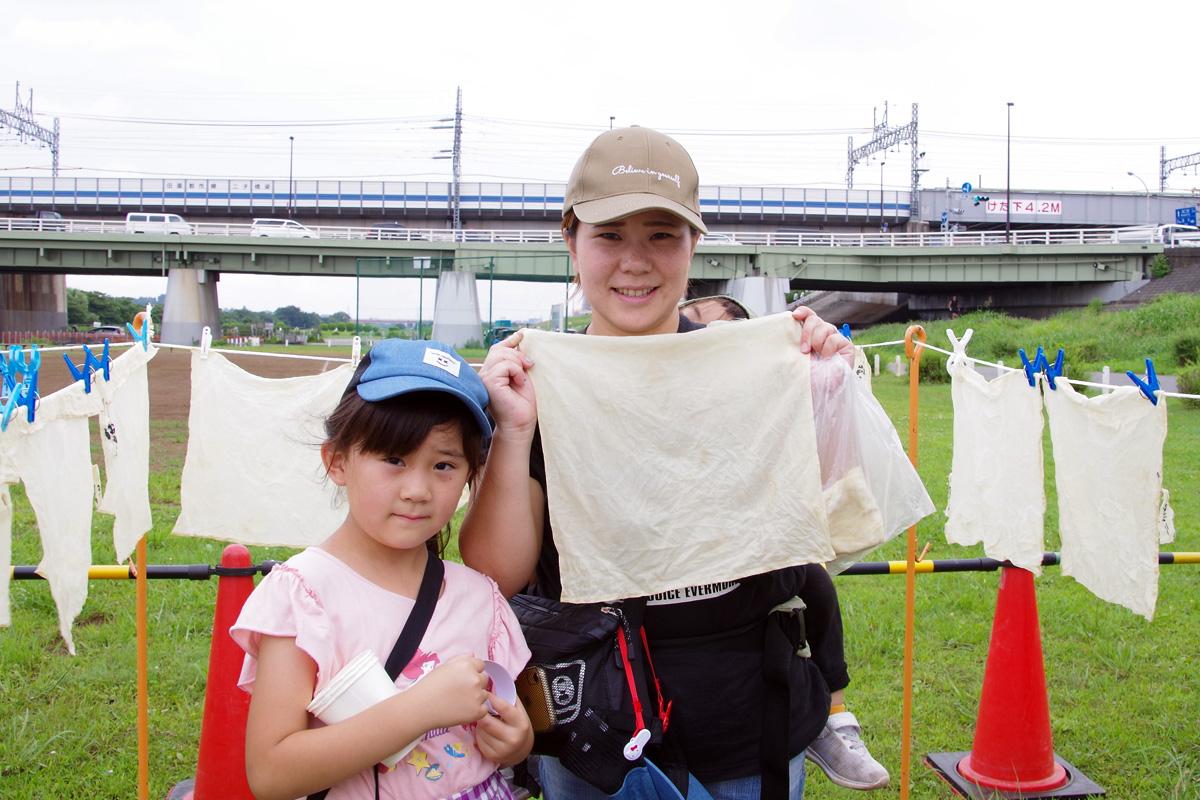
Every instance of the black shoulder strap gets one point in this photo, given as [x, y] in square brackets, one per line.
[410, 637]
[418, 620]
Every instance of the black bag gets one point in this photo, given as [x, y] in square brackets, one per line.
[589, 689]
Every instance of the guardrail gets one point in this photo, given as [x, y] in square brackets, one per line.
[554, 236]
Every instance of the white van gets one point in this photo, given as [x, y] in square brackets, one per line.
[148, 222]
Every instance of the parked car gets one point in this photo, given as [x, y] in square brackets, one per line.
[718, 238]
[44, 220]
[146, 222]
[281, 228]
[387, 230]
[1170, 235]
[497, 335]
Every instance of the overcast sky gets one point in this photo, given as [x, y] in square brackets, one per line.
[761, 93]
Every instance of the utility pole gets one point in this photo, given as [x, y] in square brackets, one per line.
[885, 138]
[456, 155]
[22, 122]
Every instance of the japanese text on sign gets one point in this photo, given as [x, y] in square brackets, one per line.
[1036, 207]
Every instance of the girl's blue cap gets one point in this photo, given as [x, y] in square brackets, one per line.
[399, 366]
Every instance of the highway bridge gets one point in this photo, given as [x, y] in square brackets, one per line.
[1034, 271]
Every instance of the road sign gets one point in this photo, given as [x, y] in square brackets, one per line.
[966, 187]
[944, 216]
[1185, 216]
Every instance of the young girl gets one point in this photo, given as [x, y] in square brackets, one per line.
[406, 437]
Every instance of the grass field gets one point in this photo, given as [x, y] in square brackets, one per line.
[1123, 701]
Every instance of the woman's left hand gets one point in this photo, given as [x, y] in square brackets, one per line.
[821, 338]
[507, 736]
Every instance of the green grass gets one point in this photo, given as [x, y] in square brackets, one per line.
[1122, 696]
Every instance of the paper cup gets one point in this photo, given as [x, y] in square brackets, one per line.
[503, 685]
[359, 685]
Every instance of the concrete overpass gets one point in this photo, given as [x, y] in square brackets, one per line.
[1038, 270]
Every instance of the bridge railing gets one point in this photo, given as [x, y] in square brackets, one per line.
[552, 236]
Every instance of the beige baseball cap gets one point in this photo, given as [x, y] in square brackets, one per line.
[628, 170]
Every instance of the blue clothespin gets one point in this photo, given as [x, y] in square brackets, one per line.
[143, 337]
[1150, 385]
[846, 330]
[1032, 368]
[26, 393]
[90, 364]
[1054, 370]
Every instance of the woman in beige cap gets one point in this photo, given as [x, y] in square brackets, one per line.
[631, 219]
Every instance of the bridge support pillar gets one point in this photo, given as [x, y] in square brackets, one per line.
[456, 319]
[33, 302]
[760, 294]
[191, 303]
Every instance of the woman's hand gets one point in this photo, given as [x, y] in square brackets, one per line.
[510, 390]
[506, 738]
[821, 338]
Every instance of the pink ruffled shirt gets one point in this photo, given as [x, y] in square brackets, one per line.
[335, 614]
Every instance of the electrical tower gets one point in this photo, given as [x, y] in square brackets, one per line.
[885, 138]
[21, 121]
[1167, 166]
[456, 155]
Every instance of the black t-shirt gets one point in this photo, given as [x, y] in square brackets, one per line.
[706, 643]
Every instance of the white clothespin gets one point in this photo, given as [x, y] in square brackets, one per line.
[205, 341]
[959, 345]
[356, 351]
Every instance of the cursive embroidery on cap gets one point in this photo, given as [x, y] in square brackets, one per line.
[631, 170]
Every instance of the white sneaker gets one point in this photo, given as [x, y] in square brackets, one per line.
[840, 753]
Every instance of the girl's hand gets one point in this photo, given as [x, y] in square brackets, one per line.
[456, 692]
[821, 338]
[507, 738]
[510, 391]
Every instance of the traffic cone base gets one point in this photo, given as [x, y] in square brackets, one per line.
[945, 765]
[1013, 751]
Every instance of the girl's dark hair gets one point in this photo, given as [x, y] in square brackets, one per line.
[398, 425]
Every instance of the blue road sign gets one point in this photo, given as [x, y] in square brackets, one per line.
[966, 188]
[945, 216]
[1185, 216]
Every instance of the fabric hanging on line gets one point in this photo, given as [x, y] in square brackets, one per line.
[125, 441]
[52, 457]
[862, 365]
[678, 460]
[5, 554]
[872, 491]
[253, 471]
[997, 492]
[1108, 469]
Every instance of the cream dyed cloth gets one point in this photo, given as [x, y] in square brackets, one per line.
[51, 456]
[1108, 469]
[678, 460]
[125, 441]
[997, 493]
[253, 471]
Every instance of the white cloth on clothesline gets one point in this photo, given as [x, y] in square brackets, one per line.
[253, 471]
[997, 483]
[1108, 457]
[125, 440]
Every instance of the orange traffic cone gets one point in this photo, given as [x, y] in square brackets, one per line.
[221, 761]
[1013, 751]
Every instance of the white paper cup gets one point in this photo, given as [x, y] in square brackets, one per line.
[359, 685]
[503, 685]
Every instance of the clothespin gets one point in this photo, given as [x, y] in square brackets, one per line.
[205, 341]
[145, 336]
[26, 393]
[959, 345]
[1031, 368]
[1150, 385]
[356, 351]
[846, 330]
[9, 368]
[1052, 371]
[90, 364]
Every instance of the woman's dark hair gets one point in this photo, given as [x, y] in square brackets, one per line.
[398, 425]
